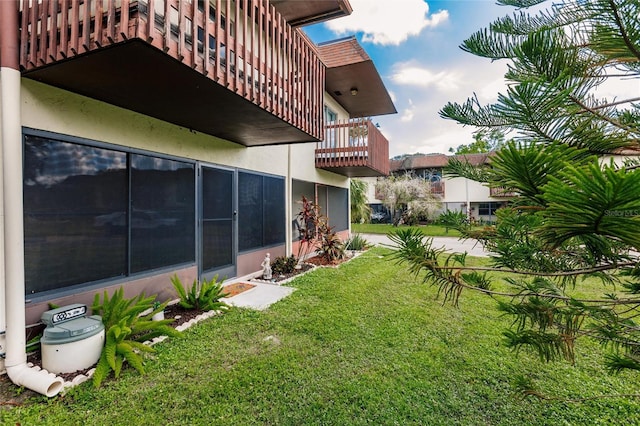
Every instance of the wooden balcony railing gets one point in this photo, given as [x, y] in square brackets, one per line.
[243, 45]
[501, 192]
[353, 148]
[437, 188]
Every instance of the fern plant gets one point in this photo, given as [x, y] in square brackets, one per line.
[128, 324]
[201, 296]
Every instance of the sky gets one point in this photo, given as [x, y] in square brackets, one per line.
[414, 45]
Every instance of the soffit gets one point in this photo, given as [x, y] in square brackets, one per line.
[298, 13]
[349, 68]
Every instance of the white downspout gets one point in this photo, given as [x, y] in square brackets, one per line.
[15, 361]
[289, 203]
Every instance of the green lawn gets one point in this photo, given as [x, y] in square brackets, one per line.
[385, 228]
[365, 343]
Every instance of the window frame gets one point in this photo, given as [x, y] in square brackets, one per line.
[128, 151]
[262, 175]
[489, 206]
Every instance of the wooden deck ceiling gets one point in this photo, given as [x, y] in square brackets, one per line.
[353, 80]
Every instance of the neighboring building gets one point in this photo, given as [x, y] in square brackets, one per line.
[171, 137]
[476, 200]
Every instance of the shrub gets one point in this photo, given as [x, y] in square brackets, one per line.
[284, 265]
[201, 296]
[331, 247]
[126, 330]
[356, 242]
[453, 219]
[308, 220]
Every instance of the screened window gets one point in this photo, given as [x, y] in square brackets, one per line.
[75, 214]
[162, 212]
[94, 213]
[300, 188]
[261, 211]
[338, 208]
[487, 209]
[334, 204]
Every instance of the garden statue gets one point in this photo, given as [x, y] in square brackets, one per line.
[266, 267]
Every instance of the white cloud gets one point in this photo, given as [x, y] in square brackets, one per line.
[408, 113]
[388, 22]
[422, 91]
[409, 75]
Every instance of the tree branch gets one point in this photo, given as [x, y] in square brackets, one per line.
[600, 116]
[540, 274]
[614, 302]
[625, 36]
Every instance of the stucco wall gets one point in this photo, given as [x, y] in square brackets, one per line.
[48, 108]
[456, 191]
[51, 109]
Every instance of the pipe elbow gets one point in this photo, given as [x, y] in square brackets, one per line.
[36, 379]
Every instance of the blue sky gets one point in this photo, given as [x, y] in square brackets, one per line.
[415, 47]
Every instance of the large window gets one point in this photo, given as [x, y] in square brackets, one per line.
[300, 188]
[332, 201]
[488, 209]
[261, 211]
[93, 213]
[162, 212]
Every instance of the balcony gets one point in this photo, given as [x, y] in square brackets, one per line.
[353, 148]
[437, 188]
[232, 69]
[501, 192]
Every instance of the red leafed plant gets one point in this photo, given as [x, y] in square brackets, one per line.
[308, 220]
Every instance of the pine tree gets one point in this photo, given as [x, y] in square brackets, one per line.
[577, 214]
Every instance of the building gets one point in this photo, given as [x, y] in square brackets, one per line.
[142, 139]
[476, 200]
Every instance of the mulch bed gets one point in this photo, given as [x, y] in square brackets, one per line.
[321, 261]
[282, 277]
[307, 265]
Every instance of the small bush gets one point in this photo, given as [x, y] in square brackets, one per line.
[284, 265]
[356, 242]
[201, 296]
[452, 219]
[126, 330]
[331, 246]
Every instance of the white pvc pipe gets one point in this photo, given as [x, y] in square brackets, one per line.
[3, 318]
[11, 143]
[288, 201]
[36, 379]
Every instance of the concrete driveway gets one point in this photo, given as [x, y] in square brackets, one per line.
[451, 244]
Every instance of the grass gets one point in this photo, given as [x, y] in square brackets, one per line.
[365, 343]
[385, 228]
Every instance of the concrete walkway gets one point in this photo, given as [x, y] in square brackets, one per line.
[451, 244]
[260, 297]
